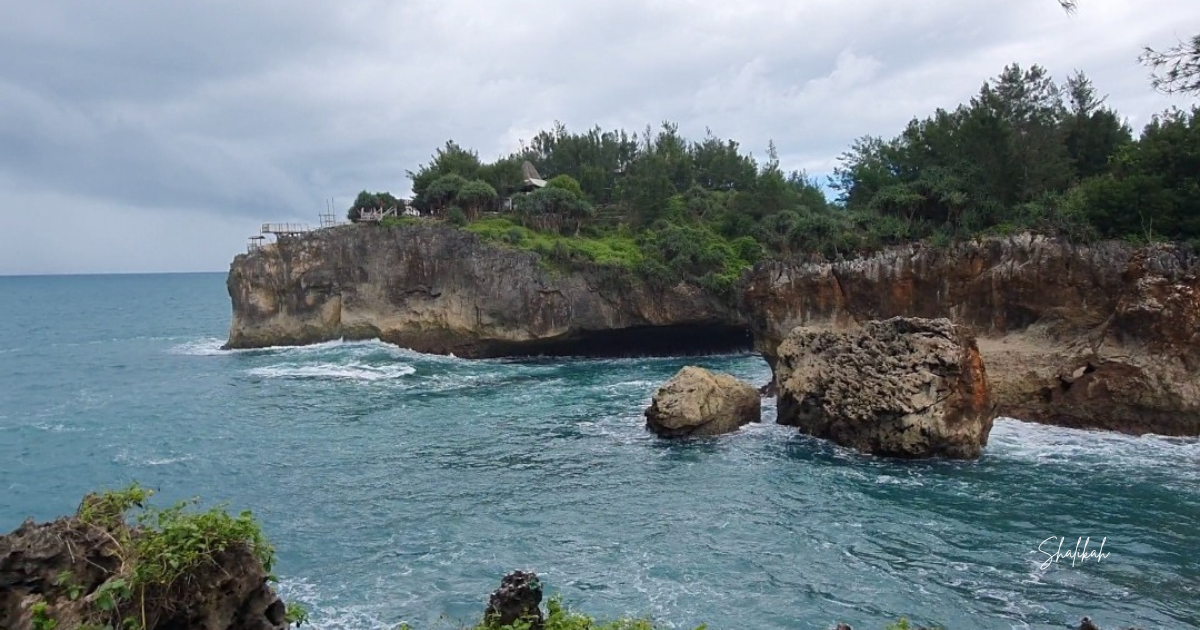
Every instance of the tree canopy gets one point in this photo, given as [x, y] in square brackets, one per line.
[1025, 152]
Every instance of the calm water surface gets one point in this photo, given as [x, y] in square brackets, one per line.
[400, 487]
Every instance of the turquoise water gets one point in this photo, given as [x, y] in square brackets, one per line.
[400, 486]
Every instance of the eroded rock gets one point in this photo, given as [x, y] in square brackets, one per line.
[698, 403]
[1102, 336]
[518, 598]
[66, 563]
[441, 290]
[902, 387]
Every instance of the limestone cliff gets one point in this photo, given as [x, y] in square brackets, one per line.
[437, 289]
[1100, 336]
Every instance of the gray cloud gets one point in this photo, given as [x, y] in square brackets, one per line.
[141, 116]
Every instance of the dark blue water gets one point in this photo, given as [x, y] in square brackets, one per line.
[400, 486]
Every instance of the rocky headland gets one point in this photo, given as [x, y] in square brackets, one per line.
[436, 289]
[1100, 336]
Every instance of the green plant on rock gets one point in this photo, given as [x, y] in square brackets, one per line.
[107, 509]
[160, 553]
[296, 614]
[40, 618]
[66, 579]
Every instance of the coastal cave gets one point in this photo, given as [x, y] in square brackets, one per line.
[643, 341]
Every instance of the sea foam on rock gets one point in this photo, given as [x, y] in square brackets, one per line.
[698, 403]
[902, 387]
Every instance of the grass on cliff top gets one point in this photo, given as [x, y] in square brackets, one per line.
[612, 250]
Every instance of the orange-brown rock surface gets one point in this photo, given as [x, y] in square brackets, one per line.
[1099, 336]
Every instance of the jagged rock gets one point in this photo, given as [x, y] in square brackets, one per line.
[697, 403]
[902, 387]
[519, 597]
[63, 563]
[441, 290]
[1105, 335]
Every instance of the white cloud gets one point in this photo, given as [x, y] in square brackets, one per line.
[224, 114]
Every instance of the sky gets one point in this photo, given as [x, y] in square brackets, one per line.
[158, 136]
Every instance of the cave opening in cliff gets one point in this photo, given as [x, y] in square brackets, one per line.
[647, 341]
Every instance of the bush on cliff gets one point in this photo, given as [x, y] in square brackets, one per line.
[122, 563]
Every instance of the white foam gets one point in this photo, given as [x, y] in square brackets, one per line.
[123, 457]
[326, 616]
[347, 371]
[212, 347]
[207, 347]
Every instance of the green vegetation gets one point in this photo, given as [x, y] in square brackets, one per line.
[40, 617]
[559, 617]
[372, 201]
[1024, 154]
[1027, 154]
[161, 551]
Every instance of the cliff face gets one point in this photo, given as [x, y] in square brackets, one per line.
[440, 290]
[1101, 336]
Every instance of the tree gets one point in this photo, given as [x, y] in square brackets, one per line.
[371, 201]
[567, 183]
[443, 191]
[474, 197]
[552, 209]
[448, 160]
[1176, 69]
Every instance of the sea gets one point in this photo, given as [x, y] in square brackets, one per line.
[400, 487]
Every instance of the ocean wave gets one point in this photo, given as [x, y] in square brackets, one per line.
[346, 371]
[324, 615]
[58, 428]
[212, 347]
[124, 457]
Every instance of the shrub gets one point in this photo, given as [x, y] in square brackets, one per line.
[456, 217]
[158, 554]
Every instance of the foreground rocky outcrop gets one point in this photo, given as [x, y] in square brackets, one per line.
[73, 574]
[700, 403]
[1100, 336]
[519, 598]
[434, 288]
[902, 387]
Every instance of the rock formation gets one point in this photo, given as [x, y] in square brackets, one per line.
[699, 403]
[518, 598]
[60, 572]
[437, 289]
[901, 388]
[1100, 336]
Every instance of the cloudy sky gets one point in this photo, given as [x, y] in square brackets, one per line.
[156, 136]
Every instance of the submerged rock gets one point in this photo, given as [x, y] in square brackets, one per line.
[902, 387]
[518, 598]
[697, 403]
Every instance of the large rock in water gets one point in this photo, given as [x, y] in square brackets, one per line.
[902, 387]
[698, 403]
